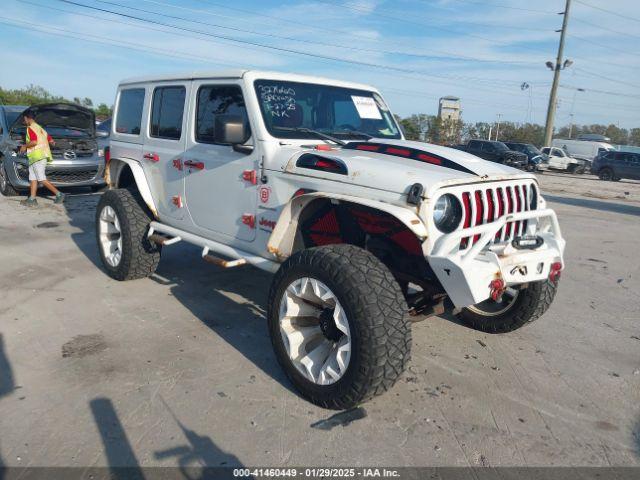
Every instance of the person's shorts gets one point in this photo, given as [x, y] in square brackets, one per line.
[37, 171]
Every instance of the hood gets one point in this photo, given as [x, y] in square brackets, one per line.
[395, 165]
[64, 115]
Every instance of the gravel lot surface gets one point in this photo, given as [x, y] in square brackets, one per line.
[178, 369]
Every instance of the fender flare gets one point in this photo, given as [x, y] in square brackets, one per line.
[139, 177]
[282, 238]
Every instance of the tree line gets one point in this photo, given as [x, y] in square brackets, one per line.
[429, 128]
[420, 127]
[35, 94]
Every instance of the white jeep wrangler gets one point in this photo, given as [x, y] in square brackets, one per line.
[312, 179]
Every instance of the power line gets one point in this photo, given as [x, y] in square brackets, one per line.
[594, 74]
[626, 17]
[606, 29]
[602, 45]
[283, 37]
[325, 28]
[508, 7]
[476, 24]
[489, 81]
[422, 24]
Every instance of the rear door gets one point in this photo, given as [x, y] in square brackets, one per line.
[164, 144]
[220, 182]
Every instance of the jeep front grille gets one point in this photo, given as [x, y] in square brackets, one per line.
[485, 204]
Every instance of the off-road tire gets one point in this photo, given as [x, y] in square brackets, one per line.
[140, 257]
[606, 174]
[6, 188]
[531, 303]
[376, 312]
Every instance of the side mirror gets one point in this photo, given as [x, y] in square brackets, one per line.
[230, 129]
[102, 134]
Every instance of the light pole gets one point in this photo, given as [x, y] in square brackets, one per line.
[559, 65]
[573, 102]
[498, 126]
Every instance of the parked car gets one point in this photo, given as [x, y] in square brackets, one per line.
[8, 115]
[311, 179]
[613, 166]
[559, 160]
[495, 152]
[537, 161]
[77, 160]
[582, 149]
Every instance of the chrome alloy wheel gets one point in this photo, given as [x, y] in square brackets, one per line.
[110, 236]
[491, 308]
[315, 331]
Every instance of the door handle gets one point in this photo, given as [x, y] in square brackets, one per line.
[194, 164]
[151, 156]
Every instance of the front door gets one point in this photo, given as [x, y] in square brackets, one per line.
[164, 145]
[557, 159]
[220, 182]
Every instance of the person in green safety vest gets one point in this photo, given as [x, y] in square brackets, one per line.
[36, 146]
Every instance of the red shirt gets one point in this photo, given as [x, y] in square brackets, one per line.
[34, 138]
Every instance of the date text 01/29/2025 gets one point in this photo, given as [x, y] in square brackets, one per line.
[316, 472]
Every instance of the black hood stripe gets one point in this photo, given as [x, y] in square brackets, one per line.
[407, 152]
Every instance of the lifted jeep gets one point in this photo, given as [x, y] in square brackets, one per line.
[311, 179]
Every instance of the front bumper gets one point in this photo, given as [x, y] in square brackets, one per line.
[466, 275]
[78, 173]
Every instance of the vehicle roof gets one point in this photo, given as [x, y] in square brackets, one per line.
[14, 108]
[248, 74]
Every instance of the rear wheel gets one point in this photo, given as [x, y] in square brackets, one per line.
[122, 223]
[337, 324]
[513, 310]
[5, 187]
[606, 174]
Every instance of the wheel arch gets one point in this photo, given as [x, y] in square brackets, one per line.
[128, 173]
[284, 241]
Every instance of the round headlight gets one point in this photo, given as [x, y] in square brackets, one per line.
[447, 213]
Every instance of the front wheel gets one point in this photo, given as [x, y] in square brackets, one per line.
[122, 223]
[513, 310]
[337, 323]
[5, 187]
[606, 174]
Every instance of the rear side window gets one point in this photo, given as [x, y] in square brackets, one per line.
[130, 111]
[474, 144]
[166, 112]
[216, 100]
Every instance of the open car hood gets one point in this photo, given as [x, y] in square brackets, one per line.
[61, 115]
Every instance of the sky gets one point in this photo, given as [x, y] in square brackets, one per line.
[491, 53]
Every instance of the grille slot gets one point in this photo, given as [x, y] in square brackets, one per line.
[62, 176]
[487, 205]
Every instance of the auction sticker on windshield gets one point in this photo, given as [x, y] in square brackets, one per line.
[366, 107]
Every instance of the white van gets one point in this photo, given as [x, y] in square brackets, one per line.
[582, 149]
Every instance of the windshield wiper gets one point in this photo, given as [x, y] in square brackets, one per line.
[352, 132]
[322, 136]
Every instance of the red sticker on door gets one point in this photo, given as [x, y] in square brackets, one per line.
[265, 193]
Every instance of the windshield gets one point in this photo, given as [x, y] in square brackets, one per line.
[500, 146]
[12, 117]
[343, 113]
[532, 150]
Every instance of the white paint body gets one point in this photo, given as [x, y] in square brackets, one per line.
[214, 199]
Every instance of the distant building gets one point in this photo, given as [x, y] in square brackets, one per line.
[450, 115]
[449, 109]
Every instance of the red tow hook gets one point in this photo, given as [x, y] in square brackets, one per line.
[497, 287]
[556, 270]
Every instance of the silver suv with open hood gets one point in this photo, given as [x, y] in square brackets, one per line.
[77, 158]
